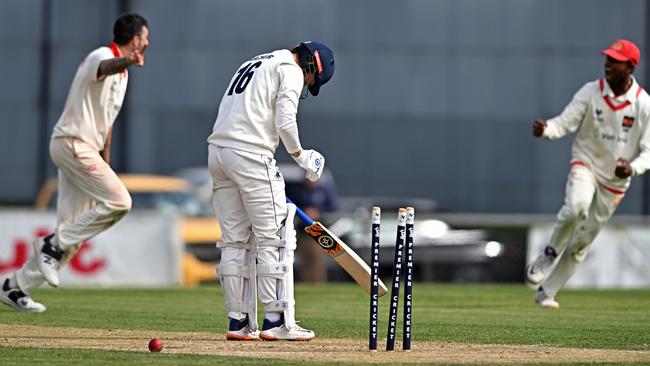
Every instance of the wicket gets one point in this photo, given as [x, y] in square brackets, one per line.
[403, 260]
[374, 278]
[397, 273]
[408, 279]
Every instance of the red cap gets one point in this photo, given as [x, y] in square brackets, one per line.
[623, 50]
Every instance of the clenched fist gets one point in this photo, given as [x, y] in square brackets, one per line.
[136, 57]
[539, 125]
[623, 168]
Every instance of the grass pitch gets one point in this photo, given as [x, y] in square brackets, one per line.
[444, 314]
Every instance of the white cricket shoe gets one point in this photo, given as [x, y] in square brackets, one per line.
[546, 301]
[48, 258]
[276, 331]
[18, 300]
[536, 271]
[238, 330]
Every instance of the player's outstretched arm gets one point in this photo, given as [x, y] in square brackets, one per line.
[571, 117]
[117, 65]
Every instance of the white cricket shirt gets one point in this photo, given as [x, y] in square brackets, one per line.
[260, 105]
[92, 104]
[610, 127]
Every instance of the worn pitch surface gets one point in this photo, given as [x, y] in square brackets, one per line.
[344, 350]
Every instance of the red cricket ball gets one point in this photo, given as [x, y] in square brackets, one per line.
[155, 345]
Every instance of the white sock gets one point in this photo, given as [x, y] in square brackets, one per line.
[274, 317]
[237, 316]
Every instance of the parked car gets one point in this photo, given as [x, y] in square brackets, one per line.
[199, 228]
[441, 252]
[201, 181]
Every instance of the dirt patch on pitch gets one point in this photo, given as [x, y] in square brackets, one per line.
[320, 349]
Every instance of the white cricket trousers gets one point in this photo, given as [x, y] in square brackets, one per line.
[588, 206]
[91, 199]
[248, 198]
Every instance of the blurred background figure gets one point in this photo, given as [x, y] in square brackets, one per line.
[612, 145]
[91, 196]
[315, 198]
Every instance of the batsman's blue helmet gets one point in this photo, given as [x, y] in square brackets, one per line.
[323, 58]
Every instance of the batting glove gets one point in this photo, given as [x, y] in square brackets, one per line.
[313, 162]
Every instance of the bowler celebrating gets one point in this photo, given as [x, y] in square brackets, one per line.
[611, 116]
[91, 196]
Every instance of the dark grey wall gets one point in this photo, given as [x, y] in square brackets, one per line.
[430, 98]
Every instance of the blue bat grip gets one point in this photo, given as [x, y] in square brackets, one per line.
[303, 216]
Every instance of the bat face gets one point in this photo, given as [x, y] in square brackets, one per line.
[324, 239]
[343, 255]
[339, 251]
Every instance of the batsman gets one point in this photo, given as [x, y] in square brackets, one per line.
[258, 109]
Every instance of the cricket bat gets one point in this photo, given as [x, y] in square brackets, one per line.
[339, 251]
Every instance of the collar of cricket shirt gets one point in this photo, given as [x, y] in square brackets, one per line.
[116, 53]
[623, 100]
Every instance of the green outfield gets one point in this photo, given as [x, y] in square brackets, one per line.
[446, 319]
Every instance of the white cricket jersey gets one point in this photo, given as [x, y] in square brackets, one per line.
[92, 104]
[260, 105]
[610, 128]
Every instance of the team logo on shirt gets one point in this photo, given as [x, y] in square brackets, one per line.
[628, 122]
[599, 115]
